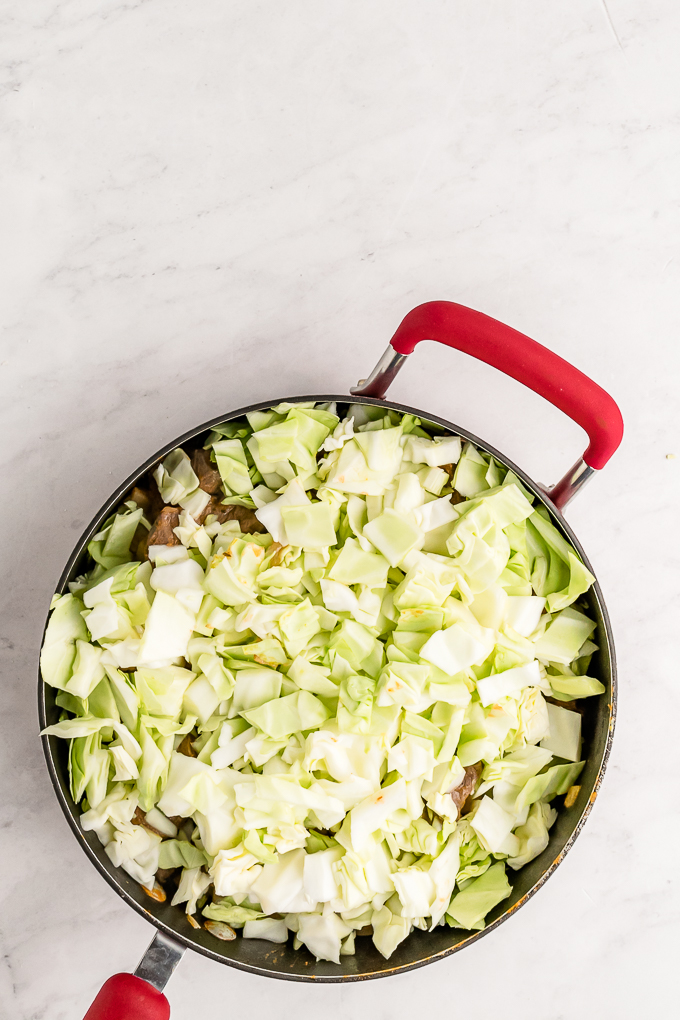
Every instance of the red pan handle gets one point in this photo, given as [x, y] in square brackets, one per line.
[127, 997]
[520, 357]
[526, 361]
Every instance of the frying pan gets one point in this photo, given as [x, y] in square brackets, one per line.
[140, 996]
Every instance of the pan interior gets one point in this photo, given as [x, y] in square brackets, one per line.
[419, 948]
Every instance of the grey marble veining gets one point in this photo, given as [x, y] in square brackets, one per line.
[208, 204]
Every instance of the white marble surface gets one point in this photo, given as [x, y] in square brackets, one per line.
[211, 203]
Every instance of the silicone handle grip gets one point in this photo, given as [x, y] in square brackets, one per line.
[126, 997]
[525, 360]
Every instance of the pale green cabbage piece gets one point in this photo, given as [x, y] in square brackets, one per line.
[557, 571]
[564, 736]
[310, 527]
[111, 546]
[65, 627]
[304, 703]
[568, 687]
[469, 907]
[394, 535]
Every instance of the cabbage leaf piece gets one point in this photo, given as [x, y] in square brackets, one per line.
[470, 905]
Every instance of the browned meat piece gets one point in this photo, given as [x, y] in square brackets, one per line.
[162, 530]
[147, 496]
[455, 496]
[139, 542]
[141, 498]
[186, 748]
[208, 476]
[163, 874]
[139, 818]
[245, 516]
[214, 506]
[467, 787]
[139, 545]
[571, 706]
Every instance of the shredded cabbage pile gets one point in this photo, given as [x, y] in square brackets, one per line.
[339, 726]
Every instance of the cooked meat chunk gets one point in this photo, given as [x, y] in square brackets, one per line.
[455, 496]
[186, 748]
[139, 543]
[139, 818]
[141, 498]
[246, 518]
[147, 496]
[214, 506]
[162, 530]
[208, 476]
[243, 514]
[467, 787]
[571, 706]
[163, 874]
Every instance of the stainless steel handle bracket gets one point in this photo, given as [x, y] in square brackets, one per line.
[159, 960]
[570, 484]
[382, 376]
[380, 380]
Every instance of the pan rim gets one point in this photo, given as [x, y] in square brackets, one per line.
[48, 742]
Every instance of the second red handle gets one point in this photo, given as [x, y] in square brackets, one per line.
[127, 997]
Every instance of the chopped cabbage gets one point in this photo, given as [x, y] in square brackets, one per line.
[285, 719]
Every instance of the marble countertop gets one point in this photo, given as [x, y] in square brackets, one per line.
[210, 204]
